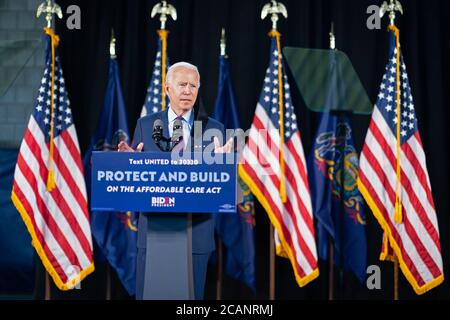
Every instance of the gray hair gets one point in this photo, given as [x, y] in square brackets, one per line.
[181, 64]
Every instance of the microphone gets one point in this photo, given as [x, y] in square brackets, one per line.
[157, 134]
[157, 130]
[177, 134]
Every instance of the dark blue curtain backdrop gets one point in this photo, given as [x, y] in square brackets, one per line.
[194, 37]
[17, 258]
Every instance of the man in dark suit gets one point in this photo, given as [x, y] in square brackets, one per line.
[182, 85]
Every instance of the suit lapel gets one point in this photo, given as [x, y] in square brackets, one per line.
[165, 118]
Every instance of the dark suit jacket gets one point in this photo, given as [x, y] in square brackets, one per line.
[202, 223]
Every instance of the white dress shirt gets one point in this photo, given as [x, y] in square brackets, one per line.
[187, 124]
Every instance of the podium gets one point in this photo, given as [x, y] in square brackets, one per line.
[164, 190]
[167, 270]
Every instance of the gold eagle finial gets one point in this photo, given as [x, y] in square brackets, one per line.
[50, 8]
[274, 8]
[394, 5]
[164, 9]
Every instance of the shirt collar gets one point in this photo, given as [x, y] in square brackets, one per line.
[172, 116]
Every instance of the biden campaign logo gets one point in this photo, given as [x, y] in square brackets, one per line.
[163, 201]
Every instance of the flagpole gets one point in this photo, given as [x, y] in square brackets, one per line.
[331, 270]
[219, 270]
[108, 282]
[47, 295]
[275, 8]
[112, 54]
[163, 9]
[219, 274]
[396, 295]
[330, 242]
[50, 9]
[272, 264]
[394, 5]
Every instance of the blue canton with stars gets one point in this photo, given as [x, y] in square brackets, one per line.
[153, 98]
[386, 101]
[42, 110]
[269, 96]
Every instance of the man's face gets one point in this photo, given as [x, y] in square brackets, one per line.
[183, 89]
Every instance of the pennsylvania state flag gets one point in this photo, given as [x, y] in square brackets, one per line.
[114, 232]
[338, 206]
[235, 230]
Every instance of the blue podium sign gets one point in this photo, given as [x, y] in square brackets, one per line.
[156, 182]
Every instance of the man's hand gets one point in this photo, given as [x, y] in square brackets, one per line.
[124, 147]
[227, 148]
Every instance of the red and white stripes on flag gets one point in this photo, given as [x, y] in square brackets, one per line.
[58, 220]
[415, 241]
[261, 170]
[292, 220]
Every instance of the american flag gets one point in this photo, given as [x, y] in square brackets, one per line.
[260, 169]
[415, 241]
[154, 92]
[58, 221]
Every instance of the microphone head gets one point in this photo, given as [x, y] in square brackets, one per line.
[177, 134]
[158, 125]
[177, 125]
[157, 130]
